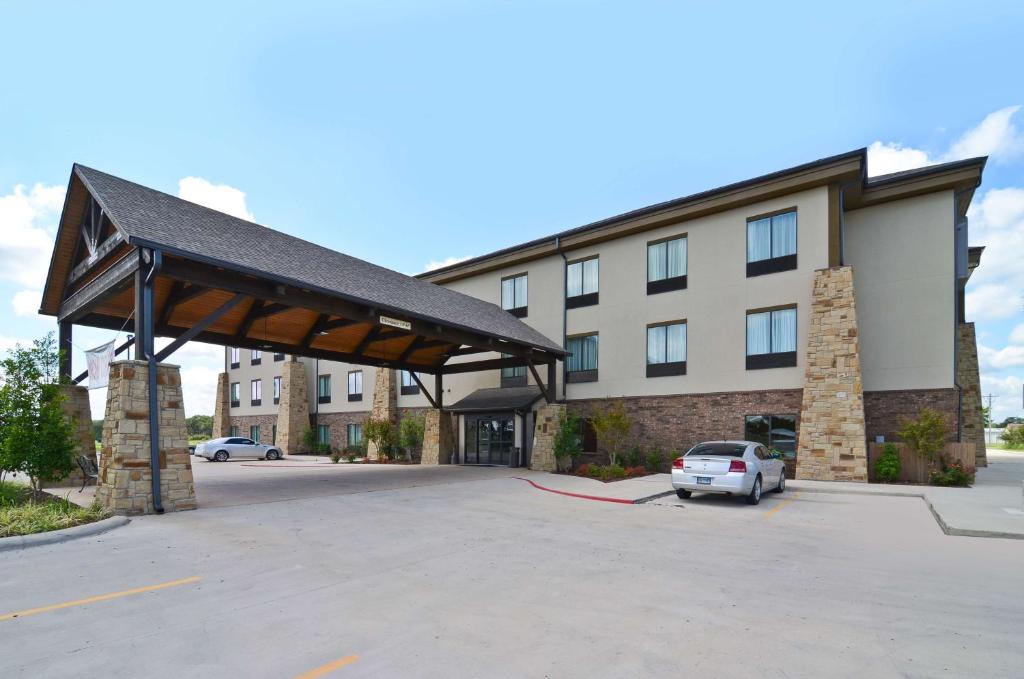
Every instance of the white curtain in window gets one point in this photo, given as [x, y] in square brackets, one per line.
[656, 262]
[508, 294]
[584, 353]
[759, 334]
[784, 330]
[590, 276]
[574, 280]
[520, 291]
[784, 234]
[759, 240]
[277, 387]
[656, 344]
[675, 343]
[676, 257]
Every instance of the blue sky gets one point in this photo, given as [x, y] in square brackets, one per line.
[412, 132]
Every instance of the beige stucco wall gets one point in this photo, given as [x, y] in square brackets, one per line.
[902, 256]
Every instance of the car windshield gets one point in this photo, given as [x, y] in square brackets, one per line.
[718, 449]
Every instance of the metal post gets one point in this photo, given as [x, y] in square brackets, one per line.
[64, 347]
[552, 384]
[439, 390]
[149, 352]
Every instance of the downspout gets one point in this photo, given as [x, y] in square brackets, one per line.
[956, 310]
[154, 415]
[565, 320]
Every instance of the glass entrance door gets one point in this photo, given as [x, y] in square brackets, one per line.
[490, 439]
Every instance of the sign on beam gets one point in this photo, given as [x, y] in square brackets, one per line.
[395, 323]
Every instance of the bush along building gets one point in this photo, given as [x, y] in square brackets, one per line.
[812, 309]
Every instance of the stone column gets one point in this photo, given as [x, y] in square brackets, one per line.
[542, 455]
[438, 438]
[125, 483]
[972, 423]
[78, 411]
[293, 409]
[222, 407]
[385, 403]
[832, 444]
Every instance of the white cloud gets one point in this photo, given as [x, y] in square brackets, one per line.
[1017, 336]
[995, 136]
[221, 197]
[996, 289]
[1006, 393]
[29, 223]
[440, 264]
[1010, 356]
[26, 302]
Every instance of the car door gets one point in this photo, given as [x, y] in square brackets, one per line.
[768, 473]
[248, 448]
[776, 466]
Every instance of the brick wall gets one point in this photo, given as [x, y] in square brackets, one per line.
[338, 423]
[265, 422]
[885, 410]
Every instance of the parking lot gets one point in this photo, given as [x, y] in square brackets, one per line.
[378, 571]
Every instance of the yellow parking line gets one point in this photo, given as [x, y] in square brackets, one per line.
[101, 597]
[329, 667]
[779, 506]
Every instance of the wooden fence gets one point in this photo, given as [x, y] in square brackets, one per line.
[914, 468]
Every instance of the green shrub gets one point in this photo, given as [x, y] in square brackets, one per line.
[381, 432]
[611, 426]
[1013, 438]
[952, 475]
[888, 465]
[350, 457]
[632, 458]
[612, 472]
[335, 456]
[567, 444]
[19, 515]
[926, 435]
[655, 459]
[594, 471]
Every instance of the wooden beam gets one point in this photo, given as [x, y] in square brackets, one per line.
[413, 346]
[487, 364]
[180, 293]
[116, 278]
[338, 323]
[314, 330]
[250, 317]
[368, 339]
[463, 351]
[543, 389]
[199, 327]
[423, 390]
[96, 254]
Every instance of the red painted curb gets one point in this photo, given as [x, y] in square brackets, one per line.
[579, 495]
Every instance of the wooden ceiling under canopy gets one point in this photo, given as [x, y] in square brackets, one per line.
[130, 257]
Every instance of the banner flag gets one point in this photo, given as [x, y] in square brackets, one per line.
[98, 360]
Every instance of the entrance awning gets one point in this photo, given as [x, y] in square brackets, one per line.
[499, 399]
[223, 280]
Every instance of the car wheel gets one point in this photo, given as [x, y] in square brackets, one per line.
[273, 455]
[782, 483]
[220, 456]
[683, 494]
[755, 493]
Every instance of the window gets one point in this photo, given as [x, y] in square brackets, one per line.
[778, 432]
[256, 392]
[278, 358]
[235, 357]
[323, 389]
[233, 431]
[273, 434]
[581, 281]
[323, 434]
[666, 349]
[277, 389]
[355, 385]
[255, 357]
[409, 386]
[236, 394]
[354, 435]
[513, 295]
[254, 432]
[582, 364]
[771, 338]
[513, 377]
[666, 265]
[771, 243]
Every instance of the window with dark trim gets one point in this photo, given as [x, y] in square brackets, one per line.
[666, 349]
[514, 376]
[278, 358]
[409, 386]
[233, 430]
[277, 389]
[355, 385]
[254, 433]
[354, 435]
[771, 338]
[777, 432]
[581, 283]
[273, 434]
[771, 243]
[256, 392]
[323, 389]
[236, 394]
[235, 356]
[255, 357]
[514, 295]
[323, 434]
[666, 264]
[581, 366]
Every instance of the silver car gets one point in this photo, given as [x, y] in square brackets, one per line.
[733, 467]
[224, 449]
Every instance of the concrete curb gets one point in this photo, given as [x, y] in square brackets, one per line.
[57, 536]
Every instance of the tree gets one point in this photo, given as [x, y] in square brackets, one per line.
[926, 435]
[200, 425]
[611, 426]
[380, 432]
[568, 442]
[986, 415]
[36, 436]
[1011, 420]
[410, 433]
[97, 429]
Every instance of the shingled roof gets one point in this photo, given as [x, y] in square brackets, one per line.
[153, 219]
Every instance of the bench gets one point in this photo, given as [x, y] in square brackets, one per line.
[89, 470]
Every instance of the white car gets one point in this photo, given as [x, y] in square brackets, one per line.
[733, 467]
[234, 447]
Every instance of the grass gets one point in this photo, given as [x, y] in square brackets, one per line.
[19, 515]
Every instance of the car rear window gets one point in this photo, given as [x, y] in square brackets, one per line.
[719, 449]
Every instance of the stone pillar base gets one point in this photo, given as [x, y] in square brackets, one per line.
[293, 409]
[972, 423]
[542, 453]
[385, 404]
[222, 408]
[438, 438]
[79, 412]
[125, 484]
